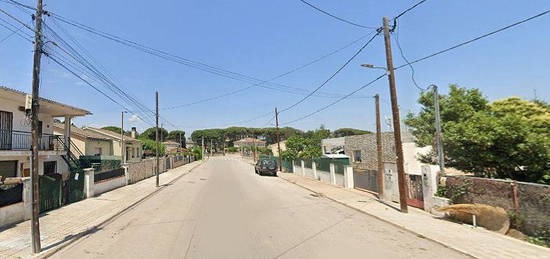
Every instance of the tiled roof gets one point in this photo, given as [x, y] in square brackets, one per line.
[80, 132]
[109, 134]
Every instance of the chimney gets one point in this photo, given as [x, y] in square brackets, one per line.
[134, 132]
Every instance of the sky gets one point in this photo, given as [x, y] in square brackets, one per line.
[263, 39]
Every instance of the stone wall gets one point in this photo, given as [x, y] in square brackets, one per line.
[529, 202]
[144, 169]
[367, 144]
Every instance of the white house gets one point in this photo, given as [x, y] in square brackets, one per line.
[16, 138]
[133, 147]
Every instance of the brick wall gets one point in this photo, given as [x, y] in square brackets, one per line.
[533, 200]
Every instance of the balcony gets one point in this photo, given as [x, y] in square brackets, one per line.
[22, 141]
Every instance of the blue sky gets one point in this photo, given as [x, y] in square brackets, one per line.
[266, 38]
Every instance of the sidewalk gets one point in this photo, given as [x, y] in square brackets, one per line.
[62, 226]
[476, 242]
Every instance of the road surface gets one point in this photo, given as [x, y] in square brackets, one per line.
[223, 210]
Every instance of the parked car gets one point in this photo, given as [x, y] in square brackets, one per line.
[266, 166]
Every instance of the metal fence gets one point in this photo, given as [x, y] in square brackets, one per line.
[103, 176]
[22, 140]
[365, 179]
[11, 194]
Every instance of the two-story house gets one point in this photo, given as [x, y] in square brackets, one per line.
[16, 138]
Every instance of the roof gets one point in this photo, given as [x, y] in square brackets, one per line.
[47, 106]
[248, 140]
[80, 132]
[170, 143]
[335, 156]
[109, 134]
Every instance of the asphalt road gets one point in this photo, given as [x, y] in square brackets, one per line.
[223, 210]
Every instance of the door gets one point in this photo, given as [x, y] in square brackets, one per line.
[416, 193]
[6, 130]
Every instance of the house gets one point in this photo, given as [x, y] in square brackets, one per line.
[88, 143]
[275, 148]
[16, 137]
[363, 153]
[133, 147]
[333, 145]
[171, 146]
[189, 143]
[249, 142]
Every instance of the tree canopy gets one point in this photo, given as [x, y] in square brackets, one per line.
[343, 132]
[508, 138]
[150, 134]
[113, 129]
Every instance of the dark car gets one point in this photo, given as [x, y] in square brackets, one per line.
[266, 167]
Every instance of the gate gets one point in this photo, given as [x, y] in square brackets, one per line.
[50, 192]
[73, 188]
[416, 196]
[364, 179]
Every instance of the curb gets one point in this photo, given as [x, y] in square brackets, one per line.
[78, 236]
[383, 220]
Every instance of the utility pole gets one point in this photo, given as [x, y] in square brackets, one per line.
[396, 120]
[122, 151]
[278, 139]
[210, 147]
[157, 136]
[438, 135]
[254, 148]
[35, 107]
[380, 175]
[202, 148]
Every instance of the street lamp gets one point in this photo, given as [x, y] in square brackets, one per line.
[374, 67]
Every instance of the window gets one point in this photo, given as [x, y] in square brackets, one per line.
[98, 151]
[8, 168]
[50, 167]
[6, 119]
[356, 155]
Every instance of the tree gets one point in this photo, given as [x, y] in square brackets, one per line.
[113, 129]
[151, 146]
[177, 136]
[343, 132]
[505, 139]
[150, 134]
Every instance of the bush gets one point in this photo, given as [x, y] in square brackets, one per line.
[232, 149]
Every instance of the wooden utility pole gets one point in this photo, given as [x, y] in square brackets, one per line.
[438, 136]
[157, 136]
[278, 139]
[122, 151]
[35, 108]
[211, 145]
[379, 151]
[396, 120]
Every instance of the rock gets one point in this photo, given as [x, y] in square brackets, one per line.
[516, 234]
[492, 218]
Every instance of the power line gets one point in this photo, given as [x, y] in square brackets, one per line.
[336, 17]
[273, 78]
[181, 60]
[413, 72]
[11, 34]
[333, 75]
[335, 102]
[474, 39]
[408, 9]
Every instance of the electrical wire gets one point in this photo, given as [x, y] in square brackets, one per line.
[474, 39]
[273, 78]
[333, 75]
[336, 17]
[11, 34]
[408, 9]
[335, 102]
[413, 72]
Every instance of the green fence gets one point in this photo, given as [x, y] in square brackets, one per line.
[73, 189]
[100, 163]
[50, 192]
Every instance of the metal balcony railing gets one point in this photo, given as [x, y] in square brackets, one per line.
[22, 141]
